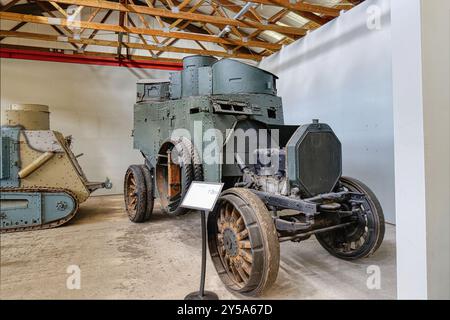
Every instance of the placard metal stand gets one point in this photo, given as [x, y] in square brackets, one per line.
[202, 196]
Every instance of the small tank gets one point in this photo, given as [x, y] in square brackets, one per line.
[41, 182]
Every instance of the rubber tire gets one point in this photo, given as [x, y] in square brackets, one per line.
[197, 167]
[141, 192]
[187, 176]
[149, 186]
[375, 238]
[263, 238]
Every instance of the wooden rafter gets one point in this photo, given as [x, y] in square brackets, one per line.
[150, 32]
[8, 5]
[172, 41]
[302, 6]
[91, 17]
[59, 30]
[115, 44]
[88, 54]
[176, 20]
[15, 28]
[218, 21]
[94, 32]
[276, 17]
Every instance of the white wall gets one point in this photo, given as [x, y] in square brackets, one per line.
[421, 74]
[341, 74]
[409, 153]
[436, 100]
[92, 103]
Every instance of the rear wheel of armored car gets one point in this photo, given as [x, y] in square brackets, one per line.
[149, 182]
[177, 166]
[135, 193]
[364, 237]
[243, 242]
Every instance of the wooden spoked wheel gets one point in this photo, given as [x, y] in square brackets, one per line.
[234, 244]
[243, 242]
[131, 194]
[135, 194]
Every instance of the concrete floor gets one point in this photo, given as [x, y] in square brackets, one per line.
[160, 259]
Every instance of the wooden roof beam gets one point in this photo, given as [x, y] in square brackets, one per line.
[94, 32]
[57, 29]
[8, 5]
[87, 54]
[144, 31]
[249, 15]
[302, 6]
[15, 28]
[220, 21]
[114, 44]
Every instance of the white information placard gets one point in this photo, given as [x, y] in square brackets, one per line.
[202, 195]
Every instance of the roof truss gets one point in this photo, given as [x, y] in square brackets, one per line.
[156, 26]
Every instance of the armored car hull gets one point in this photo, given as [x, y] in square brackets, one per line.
[221, 121]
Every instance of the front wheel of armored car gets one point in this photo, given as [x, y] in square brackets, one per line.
[137, 193]
[365, 237]
[243, 242]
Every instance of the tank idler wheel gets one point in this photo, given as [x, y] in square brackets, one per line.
[135, 193]
[365, 237]
[243, 242]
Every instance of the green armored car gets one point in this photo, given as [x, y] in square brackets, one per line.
[222, 121]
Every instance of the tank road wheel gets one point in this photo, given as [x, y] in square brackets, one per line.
[177, 166]
[243, 242]
[149, 185]
[135, 194]
[363, 239]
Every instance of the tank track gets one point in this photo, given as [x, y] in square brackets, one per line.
[49, 225]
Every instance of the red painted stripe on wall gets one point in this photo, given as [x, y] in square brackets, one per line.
[93, 60]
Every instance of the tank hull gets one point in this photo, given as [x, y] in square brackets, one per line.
[41, 182]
